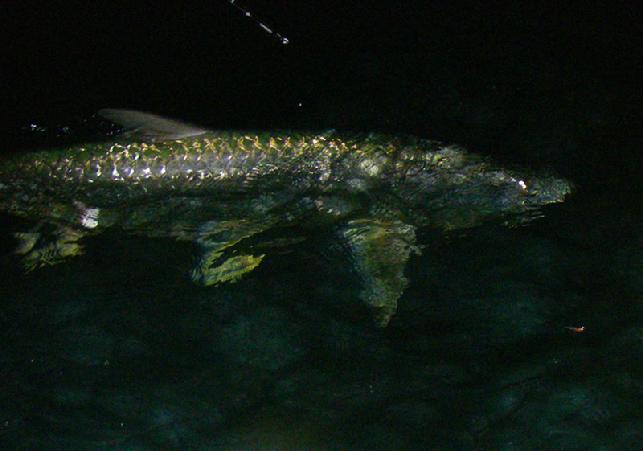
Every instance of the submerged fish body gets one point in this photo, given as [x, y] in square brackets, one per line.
[221, 188]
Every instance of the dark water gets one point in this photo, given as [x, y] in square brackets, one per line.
[117, 349]
[507, 338]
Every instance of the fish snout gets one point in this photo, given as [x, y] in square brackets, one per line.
[545, 190]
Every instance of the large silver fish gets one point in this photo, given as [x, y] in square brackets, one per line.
[224, 190]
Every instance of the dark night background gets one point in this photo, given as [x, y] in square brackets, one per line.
[483, 361]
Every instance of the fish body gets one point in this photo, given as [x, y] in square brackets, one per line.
[219, 188]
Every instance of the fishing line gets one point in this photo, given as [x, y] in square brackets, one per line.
[278, 36]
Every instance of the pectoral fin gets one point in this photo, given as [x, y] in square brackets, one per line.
[217, 237]
[230, 270]
[379, 251]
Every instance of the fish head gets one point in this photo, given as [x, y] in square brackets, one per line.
[452, 189]
[500, 195]
[520, 195]
[540, 190]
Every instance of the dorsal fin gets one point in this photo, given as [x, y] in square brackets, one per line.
[149, 126]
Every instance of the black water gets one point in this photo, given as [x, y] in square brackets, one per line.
[521, 338]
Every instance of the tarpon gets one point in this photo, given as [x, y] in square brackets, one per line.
[222, 188]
